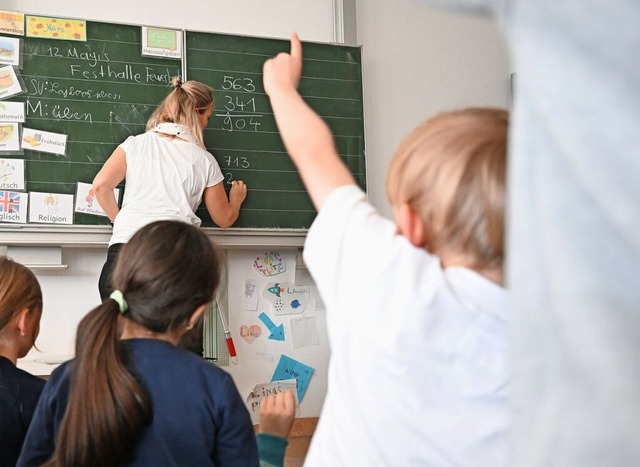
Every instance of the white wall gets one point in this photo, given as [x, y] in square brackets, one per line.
[272, 18]
[417, 61]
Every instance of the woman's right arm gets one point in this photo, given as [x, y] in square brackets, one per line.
[224, 211]
[112, 173]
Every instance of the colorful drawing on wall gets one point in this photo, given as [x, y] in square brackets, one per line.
[286, 298]
[56, 28]
[13, 207]
[288, 368]
[276, 333]
[11, 22]
[250, 333]
[250, 298]
[11, 174]
[269, 264]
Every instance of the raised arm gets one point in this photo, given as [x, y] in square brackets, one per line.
[306, 136]
[112, 172]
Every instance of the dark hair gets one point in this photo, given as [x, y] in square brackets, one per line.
[19, 289]
[165, 272]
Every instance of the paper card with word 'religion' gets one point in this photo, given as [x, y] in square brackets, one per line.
[51, 208]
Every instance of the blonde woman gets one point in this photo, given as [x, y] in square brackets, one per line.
[168, 173]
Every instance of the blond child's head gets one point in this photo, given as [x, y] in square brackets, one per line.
[449, 173]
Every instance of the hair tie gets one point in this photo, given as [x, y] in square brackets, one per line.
[117, 296]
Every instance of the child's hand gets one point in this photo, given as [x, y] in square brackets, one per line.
[277, 414]
[284, 69]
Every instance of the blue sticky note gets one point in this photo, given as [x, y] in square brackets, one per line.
[288, 368]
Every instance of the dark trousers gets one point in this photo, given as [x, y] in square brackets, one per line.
[192, 340]
[104, 283]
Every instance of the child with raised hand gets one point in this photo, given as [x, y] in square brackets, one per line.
[136, 398]
[20, 311]
[416, 309]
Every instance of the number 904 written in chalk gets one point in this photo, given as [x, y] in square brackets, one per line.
[240, 110]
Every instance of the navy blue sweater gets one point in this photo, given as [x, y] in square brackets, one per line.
[19, 392]
[199, 417]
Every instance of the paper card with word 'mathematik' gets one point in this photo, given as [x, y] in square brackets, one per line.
[260, 391]
[269, 264]
[286, 298]
[50, 208]
[13, 207]
[86, 200]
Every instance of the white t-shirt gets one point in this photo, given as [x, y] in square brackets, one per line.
[574, 230]
[418, 372]
[165, 180]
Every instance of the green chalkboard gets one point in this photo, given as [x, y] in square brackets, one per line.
[243, 135]
[96, 92]
[101, 91]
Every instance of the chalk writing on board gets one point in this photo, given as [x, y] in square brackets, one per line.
[240, 109]
[35, 107]
[39, 87]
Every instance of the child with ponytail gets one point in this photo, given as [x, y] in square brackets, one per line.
[136, 398]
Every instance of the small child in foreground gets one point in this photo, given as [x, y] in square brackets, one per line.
[416, 309]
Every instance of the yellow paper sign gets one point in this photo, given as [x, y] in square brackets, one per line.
[56, 28]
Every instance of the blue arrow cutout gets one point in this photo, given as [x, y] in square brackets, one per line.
[277, 332]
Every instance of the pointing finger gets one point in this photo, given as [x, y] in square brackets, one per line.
[296, 47]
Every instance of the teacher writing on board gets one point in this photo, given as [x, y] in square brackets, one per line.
[168, 173]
